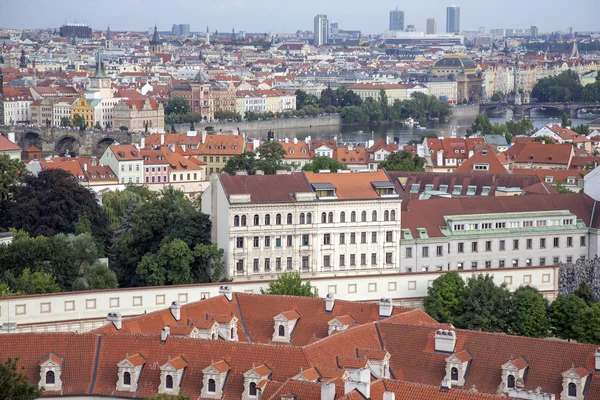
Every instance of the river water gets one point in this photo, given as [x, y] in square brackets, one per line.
[405, 133]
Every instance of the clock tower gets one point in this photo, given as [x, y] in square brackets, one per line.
[100, 84]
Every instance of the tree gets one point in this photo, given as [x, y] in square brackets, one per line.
[65, 121]
[208, 265]
[582, 129]
[486, 305]
[481, 124]
[562, 189]
[270, 155]
[585, 292]
[565, 313]
[95, 277]
[498, 96]
[177, 105]
[565, 120]
[241, 162]
[587, 326]
[52, 203]
[300, 97]
[403, 161]
[169, 266]
[290, 284]
[563, 87]
[544, 139]
[15, 385]
[36, 283]
[323, 162]
[98, 126]
[12, 176]
[528, 315]
[78, 120]
[444, 297]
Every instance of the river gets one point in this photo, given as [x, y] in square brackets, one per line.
[405, 133]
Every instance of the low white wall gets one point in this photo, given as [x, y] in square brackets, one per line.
[83, 311]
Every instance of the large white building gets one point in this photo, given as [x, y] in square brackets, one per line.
[321, 33]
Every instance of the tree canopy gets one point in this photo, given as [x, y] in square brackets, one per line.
[486, 306]
[177, 105]
[320, 163]
[444, 298]
[290, 284]
[241, 162]
[14, 385]
[403, 161]
[12, 175]
[563, 87]
[528, 316]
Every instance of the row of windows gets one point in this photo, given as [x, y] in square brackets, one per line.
[513, 224]
[156, 169]
[461, 265]
[215, 159]
[307, 218]
[130, 167]
[516, 243]
[156, 179]
[305, 239]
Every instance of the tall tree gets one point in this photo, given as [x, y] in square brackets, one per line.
[403, 161]
[270, 156]
[319, 163]
[12, 175]
[587, 326]
[528, 315]
[565, 313]
[444, 297]
[15, 385]
[241, 162]
[171, 265]
[486, 305]
[290, 284]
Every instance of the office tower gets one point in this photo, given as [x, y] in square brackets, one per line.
[534, 31]
[431, 26]
[180, 29]
[410, 28]
[321, 33]
[396, 20]
[453, 19]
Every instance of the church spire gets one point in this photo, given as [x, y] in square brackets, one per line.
[233, 34]
[575, 51]
[99, 66]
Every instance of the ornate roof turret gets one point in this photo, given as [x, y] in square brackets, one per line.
[155, 37]
[108, 34]
[99, 66]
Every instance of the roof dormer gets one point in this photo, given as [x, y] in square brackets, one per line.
[213, 379]
[575, 383]
[513, 374]
[130, 370]
[340, 323]
[171, 375]
[51, 373]
[457, 366]
[379, 359]
[252, 380]
[207, 329]
[284, 325]
[227, 327]
[308, 375]
[184, 331]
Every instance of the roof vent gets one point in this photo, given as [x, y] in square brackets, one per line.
[385, 307]
[116, 319]
[176, 310]
[226, 290]
[329, 302]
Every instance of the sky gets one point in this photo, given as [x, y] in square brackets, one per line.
[290, 16]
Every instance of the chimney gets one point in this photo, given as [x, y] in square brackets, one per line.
[471, 153]
[226, 290]
[361, 381]
[255, 144]
[350, 148]
[116, 319]
[11, 137]
[94, 161]
[85, 167]
[295, 140]
[440, 158]
[164, 334]
[176, 310]
[385, 307]
[183, 147]
[387, 141]
[286, 140]
[328, 391]
[445, 340]
[329, 302]
[162, 139]
[597, 360]
[142, 143]
[389, 396]
[203, 137]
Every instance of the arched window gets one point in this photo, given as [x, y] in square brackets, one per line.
[232, 333]
[323, 218]
[309, 218]
[281, 330]
[572, 390]
[301, 218]
[236, 220]
[212, 386]
[50, 378]
[256, 219]
[454, 374]
[511, 381]
[330, 218]
[252, 389]
[169, 382]
[353, 216]
[393, 215]
[386, 215]
[126, 379]
[363, 216]
[268, 219]
[243, 220]
[374, 216]
[342, 217]
[214, 336]
[278, 219]
[290, 219]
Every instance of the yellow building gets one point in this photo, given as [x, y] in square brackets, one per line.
[84, 109]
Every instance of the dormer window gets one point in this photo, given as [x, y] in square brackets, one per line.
[511, 382]
[284, 326]
[457, 366]
[574, 382]
[572, 390]
[126, 379]
[253, 378]
[171, 375]
[169, 382]
[51, 373]
[454, 374]
[281, 330]
[129, 372]
[50, 378]
[212, 386]
[214, 379]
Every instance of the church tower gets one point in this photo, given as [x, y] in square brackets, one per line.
[233, 34]
[100, 83]
[207, 36]
[155, 43]
[23, 60]
[108, 41]
[575, 51]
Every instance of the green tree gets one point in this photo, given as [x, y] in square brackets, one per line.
[585, 292]
[241, 162]
[319, 163]
[226, 115]
[14, 385]
[95, 277]
[562, 189]
[290, 284]
[65, 121]
[36, 283]
[481, 124]
[270, 156]
[564, 87]
[403, 161]
[52, 203]
[300, 97]
[78, 121]
[565, 313]
[498, 96]
[486, 305]
[444, 297]
[97, 126]
[12, 176]
[565, 120]
[582, 129]
[177, 105]
[208, 265]
[171, 265]
[587, 326]
[528, 315]
[544, 139]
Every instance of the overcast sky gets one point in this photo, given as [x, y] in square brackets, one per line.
[289, 16]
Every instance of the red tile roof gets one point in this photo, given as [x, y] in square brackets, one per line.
[266, 188]
[486, 155]
[351, 185]
[540, 153]
[7, 145]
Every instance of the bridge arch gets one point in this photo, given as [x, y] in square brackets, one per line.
[102, 145]
[29, 139]
[67, 145]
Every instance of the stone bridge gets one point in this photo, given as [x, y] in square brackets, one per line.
[60, 141]
[522, 110]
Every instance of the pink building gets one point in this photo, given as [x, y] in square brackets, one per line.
[156, 166]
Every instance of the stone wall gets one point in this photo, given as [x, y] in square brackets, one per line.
[470, 111]
[264, 126]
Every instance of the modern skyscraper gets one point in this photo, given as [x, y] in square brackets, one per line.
[534, 31]
[431, 26]
[396, 20]
[321, 32]
[453, 19]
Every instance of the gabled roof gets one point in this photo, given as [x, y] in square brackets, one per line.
[219, 366]
[7, 145]
[266, 188]
[51, 358]
[125, 152]
[486, 155]
[351, 185]
[177, 363]
[536, 152]
[135, 360]
[288, 315]
[349, 362]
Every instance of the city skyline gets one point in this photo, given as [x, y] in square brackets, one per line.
[136, 15]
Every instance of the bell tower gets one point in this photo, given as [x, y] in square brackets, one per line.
[155, 43]
[100, 83]
[108, 41]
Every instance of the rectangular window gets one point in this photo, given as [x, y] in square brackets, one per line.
[439, 251]
[474, 247]
[555, 260]
[363, 259]
[460, 266]
[278, 264]
[327, 261]
[278, 241]
[542, 261]
[389, 236]
[374, 237]
[425, 251]
[528, 262]
[388, 258]
[542, 243]
[240, 266]
[240, 242]
[305, 263]
[353, 238]
[289, 263]
[461, 247]
[582, 240]
[569, 241]
[373, 258]
[502, 245]
[488, 245]
[267, 241]
[304, 240]
[569, 259]
[256, 241]
[342, 238]
[500, 263]
[342, 260]
[556, 242]
[500, 225]
[488, 264]
[267, 264]
[327, 238]
[289, 240]
[516, 244]
[352, 259]
[363, 237]
[473, 264]
[515, 262]
[409, 252]
[255, 266]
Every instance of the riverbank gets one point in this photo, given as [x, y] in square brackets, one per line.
[265, 126]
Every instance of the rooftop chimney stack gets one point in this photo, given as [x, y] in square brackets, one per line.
[385, 307]
[329, 302]
[176, 310]
[328, 391]
[85, 167]
[597, 359]
[445, 340]
[162, 139]
[226, 290]
[11, 137]
[164, 334]
[142, 143]
[389, 396]
[116, 319]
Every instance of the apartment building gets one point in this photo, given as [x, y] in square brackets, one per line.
[393, 91]
[126, 161]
